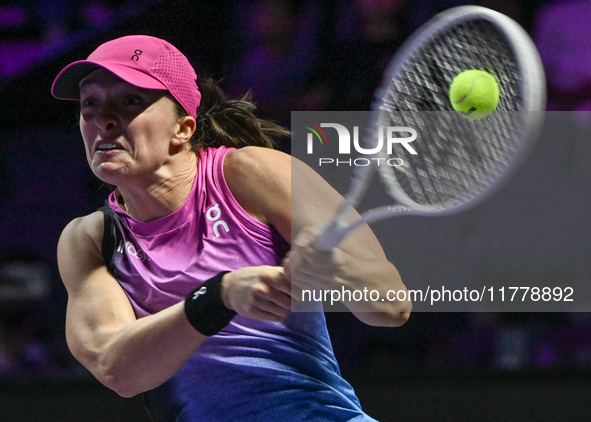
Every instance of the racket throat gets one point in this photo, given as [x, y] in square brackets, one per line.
[331, 235]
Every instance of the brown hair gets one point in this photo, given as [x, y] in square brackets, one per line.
[231, 123]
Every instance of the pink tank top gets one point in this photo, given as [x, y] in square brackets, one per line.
[158, 262]
[255, 370]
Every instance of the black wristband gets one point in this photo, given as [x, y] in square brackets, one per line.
[205, 309]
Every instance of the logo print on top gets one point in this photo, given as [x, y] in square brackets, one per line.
[213, 214]
[132, 250]
[136, 55]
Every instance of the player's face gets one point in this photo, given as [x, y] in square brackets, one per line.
[126, 130]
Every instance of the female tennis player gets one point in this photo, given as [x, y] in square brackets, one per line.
[180, 288]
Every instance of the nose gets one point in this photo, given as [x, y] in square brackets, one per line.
[107, 118]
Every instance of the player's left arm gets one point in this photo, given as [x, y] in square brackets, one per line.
[281, 191]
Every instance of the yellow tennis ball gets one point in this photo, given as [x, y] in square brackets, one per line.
[474, 94]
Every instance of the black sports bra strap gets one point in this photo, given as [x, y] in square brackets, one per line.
[112, 235]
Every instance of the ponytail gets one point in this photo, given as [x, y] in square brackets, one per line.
[230, 123]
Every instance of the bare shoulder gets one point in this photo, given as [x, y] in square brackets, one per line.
[255, 162]
[79, 243]
[89, 227]
[260, 180]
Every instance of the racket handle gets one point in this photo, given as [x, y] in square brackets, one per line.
[330, 236]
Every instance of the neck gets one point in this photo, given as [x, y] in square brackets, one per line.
[163, 195]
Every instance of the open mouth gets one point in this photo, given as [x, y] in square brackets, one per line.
[107, 147]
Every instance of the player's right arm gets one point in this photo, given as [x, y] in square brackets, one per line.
[131, 355]
[126, 354]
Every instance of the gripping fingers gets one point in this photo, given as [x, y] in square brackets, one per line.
[265, 309]
[258, 293]
[268, 299]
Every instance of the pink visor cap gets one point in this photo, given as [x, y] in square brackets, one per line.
[141, 60]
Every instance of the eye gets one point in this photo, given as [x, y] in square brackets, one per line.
[88, 102]
[132, 100]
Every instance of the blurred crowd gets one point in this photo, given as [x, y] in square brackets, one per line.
[32, 31]
[306, 55]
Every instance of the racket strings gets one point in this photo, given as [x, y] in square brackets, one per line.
[458, 157]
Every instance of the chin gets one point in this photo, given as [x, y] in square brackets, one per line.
[109, 174]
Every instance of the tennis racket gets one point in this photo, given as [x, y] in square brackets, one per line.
[458, 162]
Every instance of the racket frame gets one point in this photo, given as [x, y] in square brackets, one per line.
[532, 79]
